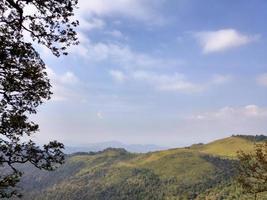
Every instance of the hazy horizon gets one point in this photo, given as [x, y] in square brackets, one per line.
[169, 73]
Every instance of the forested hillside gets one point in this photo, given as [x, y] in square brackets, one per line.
[204, 171]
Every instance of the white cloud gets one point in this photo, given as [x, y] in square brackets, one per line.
[118, 75]
[99, 115]
[163, 82]
[220, 40]
[254, 111]
[68, 78]
[175, 82]
[121, 55]
[63, 85]
[222, 122]
[221, 79]
[117, 34]
[137, 9]
[233, 113]
[92, 15]
[90, 24]
[262, 79]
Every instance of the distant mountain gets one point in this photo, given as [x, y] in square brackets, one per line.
[201, 171]
[134, 148]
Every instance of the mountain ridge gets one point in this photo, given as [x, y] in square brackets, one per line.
[94, 147]
[177, 173]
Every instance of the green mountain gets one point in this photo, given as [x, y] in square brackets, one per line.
[201, 171]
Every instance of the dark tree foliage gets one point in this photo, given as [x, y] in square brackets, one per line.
[253, 138]
[253, 170]
[24, 84]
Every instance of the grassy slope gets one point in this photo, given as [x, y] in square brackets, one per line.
[227, 147]
[112, 172]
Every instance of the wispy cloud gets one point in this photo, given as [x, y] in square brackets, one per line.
[137, 9]
[116, 34]
[99, 115]
[221, 78]
[164, 82]
[120, 54]
[247, 119]
[233, 113]
[175, 82]
[64, 86]
[221, 40]
[262, 79]
[91, 23]
[118, 75]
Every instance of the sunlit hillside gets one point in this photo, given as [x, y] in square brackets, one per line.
[182, 173]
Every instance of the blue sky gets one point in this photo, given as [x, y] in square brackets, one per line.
[164, 72]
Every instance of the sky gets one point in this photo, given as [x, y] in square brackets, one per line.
[159, 72]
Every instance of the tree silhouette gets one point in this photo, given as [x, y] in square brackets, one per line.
[24, 84]
[253, 170]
